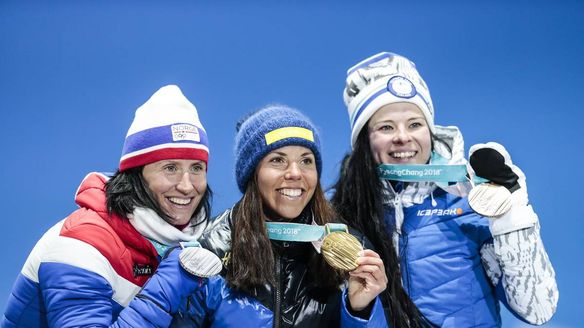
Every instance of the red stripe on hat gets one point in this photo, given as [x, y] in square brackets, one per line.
[165, 153]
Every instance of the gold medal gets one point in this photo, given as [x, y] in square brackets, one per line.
[490, 200]
[200, 262]
[340, 250]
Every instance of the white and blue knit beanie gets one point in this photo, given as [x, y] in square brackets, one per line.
[167, 126]
[380, 80]
[268, 129]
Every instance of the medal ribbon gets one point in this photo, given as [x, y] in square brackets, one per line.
[286, 231]
[426, 172]
[161, 249]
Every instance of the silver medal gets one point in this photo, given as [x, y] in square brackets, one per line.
[200, 262]
[490, 200]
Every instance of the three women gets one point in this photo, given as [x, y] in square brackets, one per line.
[455, 264]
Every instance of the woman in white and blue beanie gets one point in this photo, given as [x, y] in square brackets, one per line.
[457, 255]
[269, 281]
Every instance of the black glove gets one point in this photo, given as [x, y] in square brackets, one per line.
[492, 162]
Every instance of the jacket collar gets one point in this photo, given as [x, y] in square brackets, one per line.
[91, 195]
[449, 151]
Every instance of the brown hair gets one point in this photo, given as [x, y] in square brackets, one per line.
[252, 258]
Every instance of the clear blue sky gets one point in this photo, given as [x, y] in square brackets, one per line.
[73, 72]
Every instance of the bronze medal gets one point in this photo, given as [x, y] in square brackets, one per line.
[340, 250]
[200, 262]
[490, 200]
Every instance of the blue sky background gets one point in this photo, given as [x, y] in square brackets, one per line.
[73, 72]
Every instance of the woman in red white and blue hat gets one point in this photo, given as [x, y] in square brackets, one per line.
[458, 255]
[98, 266]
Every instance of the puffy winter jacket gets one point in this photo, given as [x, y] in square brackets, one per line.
[454, 269]
[296, 301]
[86, 270]
[440, 261]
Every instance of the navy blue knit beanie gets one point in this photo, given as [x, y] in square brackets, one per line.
[268, 129]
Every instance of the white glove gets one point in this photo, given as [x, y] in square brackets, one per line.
[491, 161]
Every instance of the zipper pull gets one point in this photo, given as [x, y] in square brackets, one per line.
[397, 201]
[434, 203]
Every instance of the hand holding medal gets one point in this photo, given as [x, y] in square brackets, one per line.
[491, 161]
[367, 281]
[339, 248]
[497, 183]
[342, 251]
[367, 277]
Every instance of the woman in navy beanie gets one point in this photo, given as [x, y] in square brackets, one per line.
[272, 282]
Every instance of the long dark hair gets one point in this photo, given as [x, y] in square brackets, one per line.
[127, 190]
[358, 201]
[252, 258]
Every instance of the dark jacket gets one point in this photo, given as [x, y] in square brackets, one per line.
[295, 300]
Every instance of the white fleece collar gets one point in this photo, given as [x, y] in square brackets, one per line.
[153, 227]
[417, 192]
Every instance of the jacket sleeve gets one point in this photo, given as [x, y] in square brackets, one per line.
[87, 292]
[79, 297]
[165, 294]
[217, 236]
[76, 297]
[517, 262]
[88, 303]
[518, 265]
[376, 318]
[204, 302]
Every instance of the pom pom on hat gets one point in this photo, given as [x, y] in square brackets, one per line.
[380, 80]
[268, 129]
[167, 126]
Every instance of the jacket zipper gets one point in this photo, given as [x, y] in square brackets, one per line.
[404, 256]
[277, 295]
[403, 251]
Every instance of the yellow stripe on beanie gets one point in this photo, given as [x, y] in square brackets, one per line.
[288, 132]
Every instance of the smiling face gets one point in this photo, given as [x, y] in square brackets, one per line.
[178, 185]
[287, 178]
[399, 134]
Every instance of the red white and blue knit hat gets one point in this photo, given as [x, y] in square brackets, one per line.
[167, 126]
[380, 80]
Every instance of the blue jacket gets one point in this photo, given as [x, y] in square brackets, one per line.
[217, 305]
[439, 248]
[295, 300]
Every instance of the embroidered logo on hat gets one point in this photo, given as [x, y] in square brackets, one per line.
[401, 87]
[185, 132]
